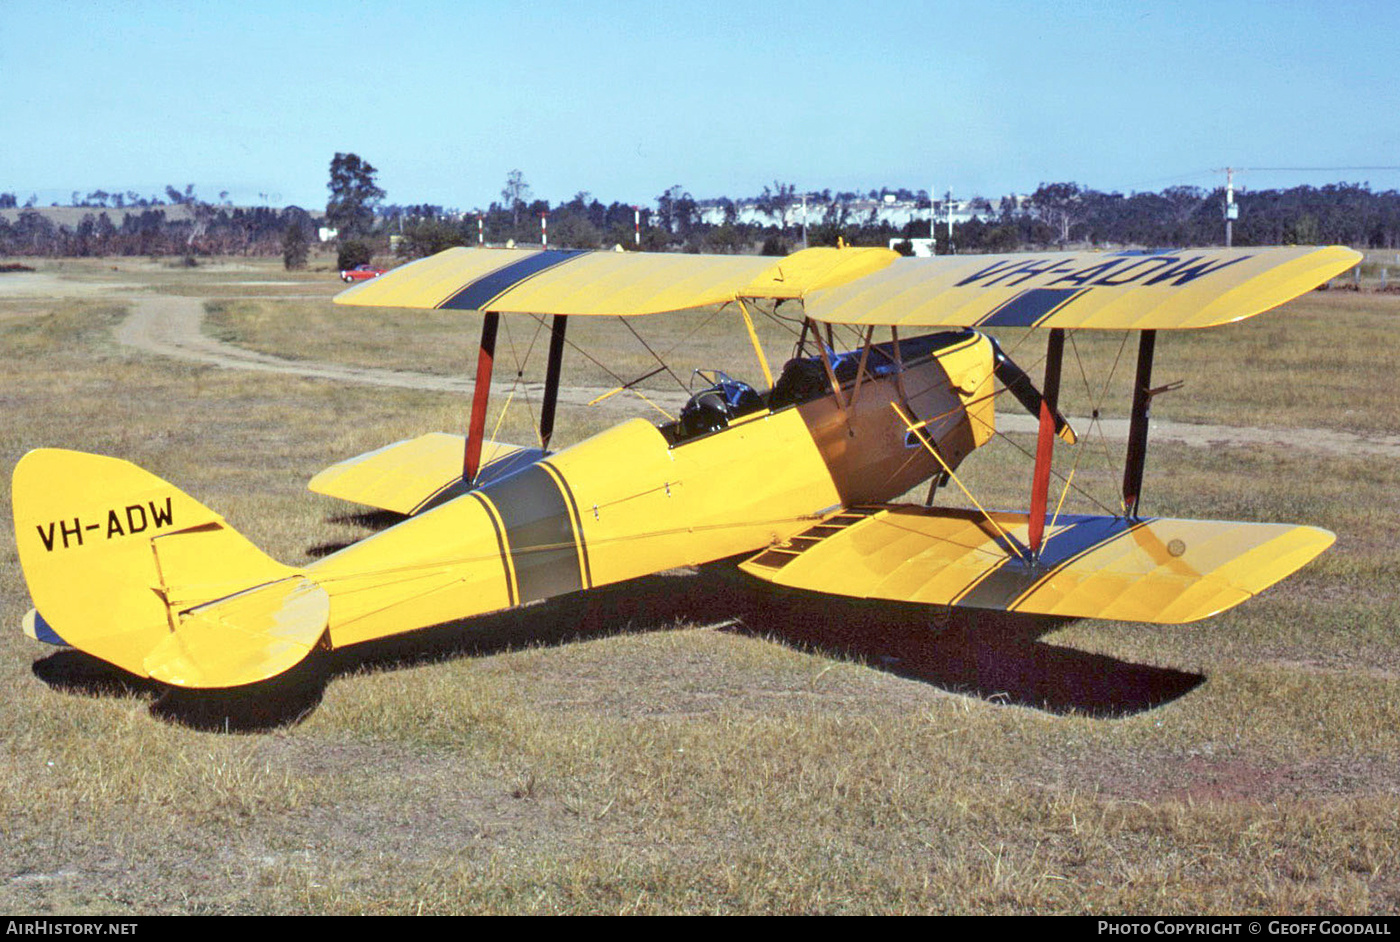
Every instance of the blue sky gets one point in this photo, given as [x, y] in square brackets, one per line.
[623, 99]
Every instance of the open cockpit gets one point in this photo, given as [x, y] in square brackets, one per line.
[721, 399]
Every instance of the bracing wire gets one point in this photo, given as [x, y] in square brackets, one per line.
[621, 382]
[654, 354]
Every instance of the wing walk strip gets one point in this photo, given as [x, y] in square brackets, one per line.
[477, 295]
[776, 557]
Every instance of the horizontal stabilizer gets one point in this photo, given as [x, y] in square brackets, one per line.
[244, 638]
[1152, 570]
[410, 476]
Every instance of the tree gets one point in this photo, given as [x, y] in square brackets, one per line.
[354, 195]
[833, 225]
[176, 197]
[676, 211]
[777, 201]
[294, 248]
[428, 236]
[1060, 206]
[353, 252]
[515, 193]
[729, 213]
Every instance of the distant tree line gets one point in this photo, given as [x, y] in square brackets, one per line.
[209, 231]
[1055, 215]
[1341, 213]
[582, 222]
[101, 199]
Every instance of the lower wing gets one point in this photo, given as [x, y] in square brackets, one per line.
[417, 474]
[1149, 570]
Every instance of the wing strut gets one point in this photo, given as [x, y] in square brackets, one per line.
[557, 326]
[476, 430]
[917, 432]
[899, 365]
[753, 338]
[1137, 428]
[1045, 443]
[822, 348]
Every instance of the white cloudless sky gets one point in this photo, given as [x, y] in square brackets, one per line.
[624, 99]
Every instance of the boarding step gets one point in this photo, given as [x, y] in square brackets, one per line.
[776, 557]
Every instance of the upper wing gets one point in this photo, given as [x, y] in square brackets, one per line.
[1152, 570]
[1124, 291]
[566, 281]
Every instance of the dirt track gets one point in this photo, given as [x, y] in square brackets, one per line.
[171, 326]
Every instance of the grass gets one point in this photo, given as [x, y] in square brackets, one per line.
[603, 351]
[692, 743]
[1315, 363]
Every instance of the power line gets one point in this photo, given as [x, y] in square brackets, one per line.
[1301, 169]
[1195, 174]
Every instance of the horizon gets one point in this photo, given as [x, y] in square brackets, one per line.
[62, 200]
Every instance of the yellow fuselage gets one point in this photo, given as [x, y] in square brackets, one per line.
[631, 501]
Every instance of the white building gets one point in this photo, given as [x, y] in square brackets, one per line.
[863, 212]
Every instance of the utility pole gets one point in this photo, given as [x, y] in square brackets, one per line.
[948, 208]
[1232, 211]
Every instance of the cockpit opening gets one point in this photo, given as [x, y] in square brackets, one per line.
[722, 399]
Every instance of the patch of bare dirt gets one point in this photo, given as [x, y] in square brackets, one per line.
[1204, 776]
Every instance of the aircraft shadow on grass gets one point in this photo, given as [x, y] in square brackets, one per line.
[996, 656]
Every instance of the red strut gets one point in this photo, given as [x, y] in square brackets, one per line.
[476, 430]
[1045, 442]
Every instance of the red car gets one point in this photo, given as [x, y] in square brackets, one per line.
[361, 273]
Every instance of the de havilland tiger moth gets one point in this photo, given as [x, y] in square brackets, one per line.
[799, 479]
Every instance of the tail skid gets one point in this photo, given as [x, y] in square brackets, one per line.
[130, 569]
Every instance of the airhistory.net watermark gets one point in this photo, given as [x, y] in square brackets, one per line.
[64, 927]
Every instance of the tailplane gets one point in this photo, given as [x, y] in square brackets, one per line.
[130, 569]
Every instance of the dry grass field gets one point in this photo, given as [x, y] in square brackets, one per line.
[695, 742]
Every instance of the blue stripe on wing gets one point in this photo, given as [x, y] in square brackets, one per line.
[480, 293]
[1015, 577]
[1030, 307]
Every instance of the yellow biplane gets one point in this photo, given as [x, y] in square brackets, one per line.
[798, 478]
